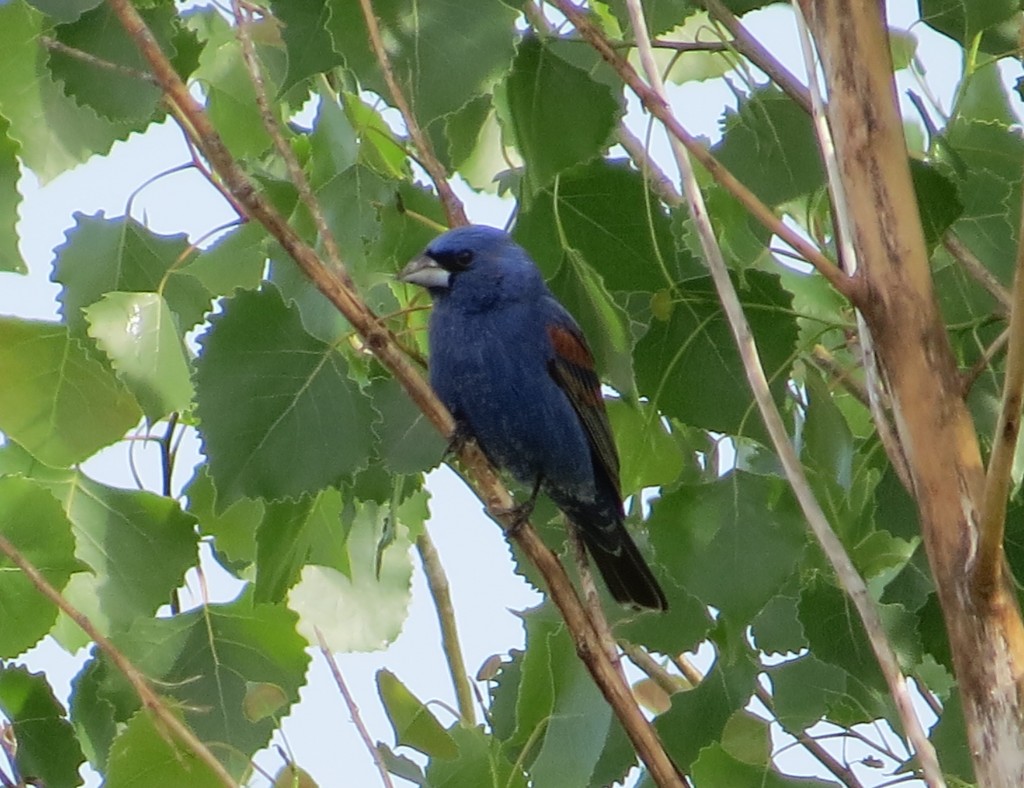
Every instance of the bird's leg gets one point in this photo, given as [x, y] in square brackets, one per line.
[457, 441]
[521, 512]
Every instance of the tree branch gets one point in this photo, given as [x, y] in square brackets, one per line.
[382, 344]
[353, 710]
[437, 582]
[990, 562]
[752, 49]
[149, 699]
[659, 108]
[846, 572]
[453, 207]
[976, 269]
[284, 150]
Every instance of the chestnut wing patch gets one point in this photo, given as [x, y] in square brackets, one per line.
[573, 370]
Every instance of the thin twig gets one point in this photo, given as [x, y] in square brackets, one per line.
[752, 49]
[658, 106]
[378, 340]
[87, 57]
[638, 656]
[826, 362]
[846, 572]
[149, 699]
[295, 172]
[990, 560]
[970, 377]
[660, 183]
[453, 207]
[437, 582]
[976, 269]
[591, 598]
[353, 710]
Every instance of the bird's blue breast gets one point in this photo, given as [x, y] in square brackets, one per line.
[491, 370]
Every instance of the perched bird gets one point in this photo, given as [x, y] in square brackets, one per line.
[512, 366]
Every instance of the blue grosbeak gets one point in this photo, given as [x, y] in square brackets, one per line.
[513, 367]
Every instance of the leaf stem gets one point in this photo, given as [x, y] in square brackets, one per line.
[658, 107]
[353, 710]
[437, 582]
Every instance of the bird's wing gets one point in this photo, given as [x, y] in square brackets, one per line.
[572, 368]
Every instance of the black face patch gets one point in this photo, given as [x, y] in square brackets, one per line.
[453, 261]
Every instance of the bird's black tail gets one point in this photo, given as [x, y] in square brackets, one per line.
[624, 570]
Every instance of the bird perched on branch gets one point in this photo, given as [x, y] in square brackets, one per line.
[512, 366]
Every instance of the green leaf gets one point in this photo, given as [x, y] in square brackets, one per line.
[997, 22]
[54, 132]
[835, 633]
[212, 656]
[716, 768]
[136, 331]
[46, 749]
[236, 260]
[605, 324]
[769, 144]
[64, 10]
[949, 737]
[480, 762]
[32, 521]
[230, 97]
[689, 365]
[698, 717]
[937, 200]
[605, 211]
[802, 690]
[412, 722]
[101, 255]
[65, 406]
[536, 92]
[281, 548]
[742, 526]
[310, 424]
[144, 748]
[559, 709]
[10, 199]
[442, 54]
[407, 442]
[233, 529]
[306, 39]
[111, 92]
[776, 629]
[650, 456]
[660, 15]
[991, 156]
[364, 608]
[117, 533]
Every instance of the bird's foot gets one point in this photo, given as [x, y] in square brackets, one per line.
[457, 440]
[520, 513]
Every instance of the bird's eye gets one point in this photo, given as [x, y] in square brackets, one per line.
[463, 258]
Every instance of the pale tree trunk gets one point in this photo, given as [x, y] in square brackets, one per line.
[935, 429]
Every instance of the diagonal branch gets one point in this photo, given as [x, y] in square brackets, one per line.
[150, 700]
[453, 207]
[846, 572]
[437, 582]
[989, 563]
[382, 344]
[658, 106]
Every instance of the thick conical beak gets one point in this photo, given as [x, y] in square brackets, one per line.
[425, 272]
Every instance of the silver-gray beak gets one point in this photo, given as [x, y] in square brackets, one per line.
[425, 272]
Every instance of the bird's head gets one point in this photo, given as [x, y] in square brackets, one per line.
[477, 261]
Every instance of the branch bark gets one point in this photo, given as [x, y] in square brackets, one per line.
[383, 345]
[984, 624]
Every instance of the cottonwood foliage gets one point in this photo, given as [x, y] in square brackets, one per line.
[312, 485]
